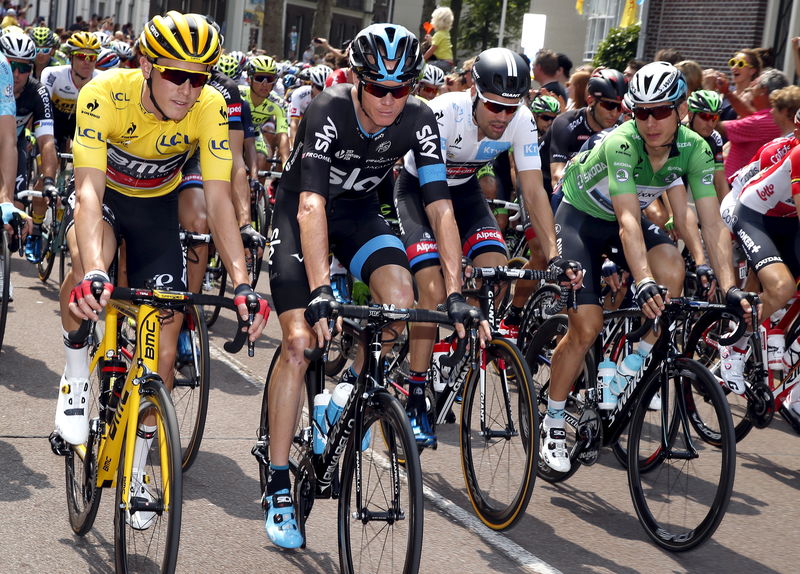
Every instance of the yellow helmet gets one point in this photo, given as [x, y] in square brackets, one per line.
[83, 41]
[182, 37]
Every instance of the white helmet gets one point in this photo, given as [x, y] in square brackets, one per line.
[18, 45]
[432, 75]
[123, 49]
[318, 75]
[655, 83]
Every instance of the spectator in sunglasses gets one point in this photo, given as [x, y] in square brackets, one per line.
[750, 132]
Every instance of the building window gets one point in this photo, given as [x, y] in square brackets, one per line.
[602, 15]
[782, 31]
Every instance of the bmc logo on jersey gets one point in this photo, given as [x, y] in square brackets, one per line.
[326, 136]
[220, 149]
[165, 142]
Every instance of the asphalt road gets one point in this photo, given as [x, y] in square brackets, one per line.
[585, 525]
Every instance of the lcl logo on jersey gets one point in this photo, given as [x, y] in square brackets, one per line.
[165, 142]
[220, 149]
[89, 134]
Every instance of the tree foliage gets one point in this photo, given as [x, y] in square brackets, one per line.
[480, 26]
[618, 48]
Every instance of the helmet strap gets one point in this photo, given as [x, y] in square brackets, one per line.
[149, 81]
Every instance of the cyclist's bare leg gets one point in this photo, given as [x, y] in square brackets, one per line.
[286, 391]
[390, 284]
[668, 270]
[584, 325]
[779, 287]
[524, 289]
[430, 288]
[193, 217]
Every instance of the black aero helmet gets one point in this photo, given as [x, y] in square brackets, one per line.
[607, 83]
[386, 53]
[502, 72]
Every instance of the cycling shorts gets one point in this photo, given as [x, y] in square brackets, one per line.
[23, 174]
[766, 239]
[477, 226]
[589, 240]
[192, 174]
[359, 237]
[149, 227]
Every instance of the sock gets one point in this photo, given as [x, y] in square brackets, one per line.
[144, 439]
[555, 414]
[416, 390]
[77, 364]
[350, 375]
[278, 479]
[644, 348]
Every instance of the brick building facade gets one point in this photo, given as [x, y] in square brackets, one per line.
[707, 31]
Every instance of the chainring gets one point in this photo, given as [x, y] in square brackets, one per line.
[590, 436]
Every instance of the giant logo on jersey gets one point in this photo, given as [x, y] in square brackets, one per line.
[129, 170]
[488, 150]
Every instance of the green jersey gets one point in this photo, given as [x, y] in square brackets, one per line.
[619, 164]
[271, 109]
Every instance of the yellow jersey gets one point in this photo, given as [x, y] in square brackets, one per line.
[141, 155]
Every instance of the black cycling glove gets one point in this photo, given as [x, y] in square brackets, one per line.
[251, 238]
[561, 265]
[734, 298]
[646, 289]
[705, 271]
[321, 305]
[459, 310]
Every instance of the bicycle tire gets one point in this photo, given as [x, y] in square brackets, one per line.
[659, 509]
[83, 494]
[500, 471]
[703, 348]
[369, 545]
[62, 263]
[137, 550]
[191, 387]
[533, 313]
[538, 357]
[214, 283]
[45, 266]
[5, 269]
[302, 436]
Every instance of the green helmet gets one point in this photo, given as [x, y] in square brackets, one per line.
[705, 101]
[545, 105]
[227, 65]
[44, 37]
[261, 65]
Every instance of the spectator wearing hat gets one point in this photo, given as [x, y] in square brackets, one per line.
[10, 19]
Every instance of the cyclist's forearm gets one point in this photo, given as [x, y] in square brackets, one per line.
[718, 241]
[283, 151]
[222, 222]
[47, 145]
[240, 188]
[445, 229]
[8, 158]
[313, 224]
[90, 185]
[537, 205]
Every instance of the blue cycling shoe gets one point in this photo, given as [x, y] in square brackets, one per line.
[33, 248]
[423, 433]
[281, 524]
[185, 347]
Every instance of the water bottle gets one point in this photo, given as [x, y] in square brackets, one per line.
[775, 349]
[320, 429]
[440, 349]
[606, 371]
[113, 373]
[626, 372]
[338, 400]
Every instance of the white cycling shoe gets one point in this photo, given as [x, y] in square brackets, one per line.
[72, 410]
[554, 449]
[732, 369]
[141, 519]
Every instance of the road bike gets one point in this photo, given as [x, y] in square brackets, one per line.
[7, 246]
[680, 480]
[132, 421]
[379, 487]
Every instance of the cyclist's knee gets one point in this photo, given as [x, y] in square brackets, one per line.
[296, 340]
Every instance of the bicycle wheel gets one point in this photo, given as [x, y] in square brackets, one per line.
[538, 357]
[80, 465]
[192, 380]
[702, 345]
[263, 213]
[302, 438]
[5, 282]
[682, 502]
[50, 236]
[62, 262]
[152, 545]
[533, 314]
[499, 436]
[214, 284]
[381, 506]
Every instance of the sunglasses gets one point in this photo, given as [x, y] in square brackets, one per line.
[84, 57]
[261, 78]
[497, 107]
[545, 117]
[659, 113]
[21, 67]
[380, 91]
[43, 50]
[178, 76]
[610, 106]
[738, 63]
[707, 116]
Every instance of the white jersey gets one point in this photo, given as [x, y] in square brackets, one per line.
[63, 92]
[299, 101]
[464, 154]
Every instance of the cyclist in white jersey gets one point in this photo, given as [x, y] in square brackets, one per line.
[475, 127]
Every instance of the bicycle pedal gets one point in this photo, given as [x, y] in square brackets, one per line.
[58, 444]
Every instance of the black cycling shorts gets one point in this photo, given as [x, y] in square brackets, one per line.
[149, 227]
[358, 235]
[191, 172]
[766, 239]
[586, 239]
[477, 227]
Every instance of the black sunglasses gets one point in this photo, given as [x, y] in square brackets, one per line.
[178, 76]
[380, 91]
[659, 113]
[21, 67]
[260, 78]
[546, 118]
[610, 106]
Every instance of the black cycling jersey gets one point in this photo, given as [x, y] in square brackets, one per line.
[34, 103]
[230, 91]
[249, 127]
[334, 157]
[567, 134]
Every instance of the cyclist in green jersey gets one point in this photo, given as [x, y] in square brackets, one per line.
[266, 107]
[605, 191]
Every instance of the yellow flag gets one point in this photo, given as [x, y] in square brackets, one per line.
[579, 6]
[629, 14]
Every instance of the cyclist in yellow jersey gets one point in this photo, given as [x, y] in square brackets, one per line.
[266, 106]
[135, 129]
